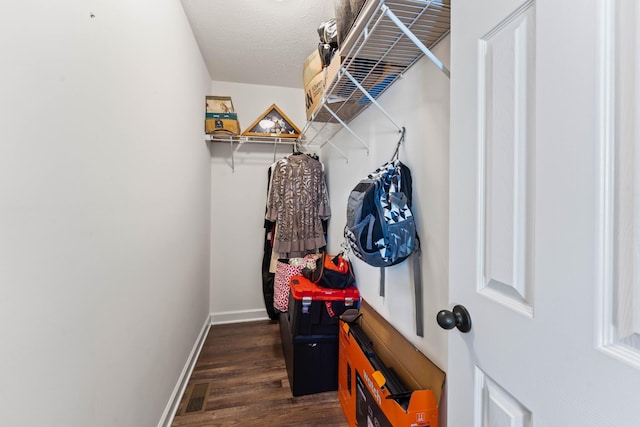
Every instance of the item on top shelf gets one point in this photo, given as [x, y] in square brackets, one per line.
[328, 41]
[273, 122]
[220, 115]
[371, 74]
[312, 67]
[385, 40]
[326, 53]
[328, 32]
[346, 14]
[313, 92]
[313, 79]
[332, 70]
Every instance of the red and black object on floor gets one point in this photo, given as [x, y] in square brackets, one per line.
[309, 331]
[312, 360]
[314, 310]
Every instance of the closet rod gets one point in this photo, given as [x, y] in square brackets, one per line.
[241, 140]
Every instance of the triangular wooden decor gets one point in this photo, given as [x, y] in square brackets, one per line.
[282, 126]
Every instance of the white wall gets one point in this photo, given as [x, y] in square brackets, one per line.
[104, 210]
[238, 200]
[419, 102]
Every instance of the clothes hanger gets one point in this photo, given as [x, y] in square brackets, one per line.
[295, 149]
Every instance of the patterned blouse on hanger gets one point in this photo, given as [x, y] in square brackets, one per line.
[298, 203]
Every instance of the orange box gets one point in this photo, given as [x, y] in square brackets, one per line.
[363, 390]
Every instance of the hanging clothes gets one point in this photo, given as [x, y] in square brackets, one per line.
[298, 203]
[268, 276]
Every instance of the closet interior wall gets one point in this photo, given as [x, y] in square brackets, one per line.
[238, 201]
[420, 102]
[104, 210]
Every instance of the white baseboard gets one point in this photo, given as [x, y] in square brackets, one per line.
[172, 407]
[238, 316]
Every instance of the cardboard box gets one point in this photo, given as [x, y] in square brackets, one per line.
[314, 91]
[363, 390]
[220, 116]
[332, 70]
[313, 94]
[312, 67]
[222, 122]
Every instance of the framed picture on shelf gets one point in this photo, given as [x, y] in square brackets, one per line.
[273, 122]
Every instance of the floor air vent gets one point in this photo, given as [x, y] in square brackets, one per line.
[197, 398]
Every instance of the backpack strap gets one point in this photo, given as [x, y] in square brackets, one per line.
[372, 221]
[416, 260]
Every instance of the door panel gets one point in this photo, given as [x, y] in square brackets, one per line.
[620, 214]
[505, 109]
[496, 406]
[545, 213]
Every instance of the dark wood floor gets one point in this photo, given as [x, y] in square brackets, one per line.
[242, 378]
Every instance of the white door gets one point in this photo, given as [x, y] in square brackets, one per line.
[545, 213]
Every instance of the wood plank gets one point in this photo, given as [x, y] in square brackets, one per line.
[248, 384]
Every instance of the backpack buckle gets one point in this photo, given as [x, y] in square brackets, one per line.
[348, 301]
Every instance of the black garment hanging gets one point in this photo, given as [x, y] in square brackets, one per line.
[268, 278]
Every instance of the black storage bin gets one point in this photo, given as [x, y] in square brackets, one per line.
[312, 360]
[314, 310]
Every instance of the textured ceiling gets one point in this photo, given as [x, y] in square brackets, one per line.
[261, 42]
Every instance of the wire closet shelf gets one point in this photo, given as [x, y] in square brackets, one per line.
[388, 38]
